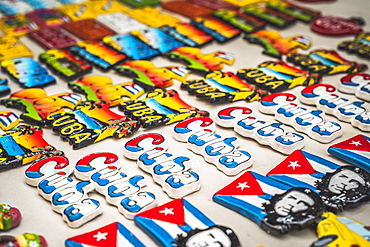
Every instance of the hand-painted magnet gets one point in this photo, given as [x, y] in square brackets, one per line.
[221, 31]
[27, 72]
[275, 46]
[221, 87]
[11, 47]
[131, 46]
[188, 34]
[88, 29]
[37, 105]
[276, 207]
[22, 145]
[157, 39]
[160, 107]
[112, 235]
[336, 26]
[98, 54]
[180, 223]
[99, 87]
[64, 64]
[147, 75]
[360, 45]
[275, 76]
[325, 62]
[9, 217]
[340, 187]
[126, 193]
[89, 123]
[200, 62]
[171, 172]
[52, 38]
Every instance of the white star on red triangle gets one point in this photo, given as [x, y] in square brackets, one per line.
[167, 211]
[100, 236]
[294, 164]
[242, 186]
[356, 143]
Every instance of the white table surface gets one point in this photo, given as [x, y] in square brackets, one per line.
[38, 217]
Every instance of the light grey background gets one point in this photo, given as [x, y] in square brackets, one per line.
[38, 216]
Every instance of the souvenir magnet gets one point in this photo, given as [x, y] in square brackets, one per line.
[9, 217]
[152, 17]
[275, 46]
[345, 110]
[325, 62]
[166, 225]
[275, 76]
[337, 26]
[27, 72]
[11, 47]
[101, 87]
[274, 18]
[360, 45]
[111, 235]
[90, 122]
[357, 83]
[312, 123]
[183, 130]
[277, 208]
[187, 33]
[103, 171]
[131, 46]
[88, 29]
[37, 105]
[67, 197]
[8, 120]
[120, 22]
[23, 145]
[221, 87]
[340, 187]
[160, 107]
[79, 11]
[300, 12]
[215, 149]
[157, 39]
[64, 64]
[17, 25]
[171, 172]
[198, 61]
[147, 75]
[273, 135]
[246, 23]
[98, 54]
[333, 230]
[52, 38]
[24, 240]
[221, 31]
[48, 17]
[141, 3]
[188, 9]
[354, 150]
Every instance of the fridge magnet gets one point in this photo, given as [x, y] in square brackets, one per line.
[52, 38]
[337, 26]
[120, 22]
[357, 84]
[8, 120]
[360, 45]
[88, 29]
[10, 217]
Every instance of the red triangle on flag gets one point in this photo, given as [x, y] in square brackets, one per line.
[358, 143]
[246, 184]
[105, 236]
[171, 212]
[295, 164]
